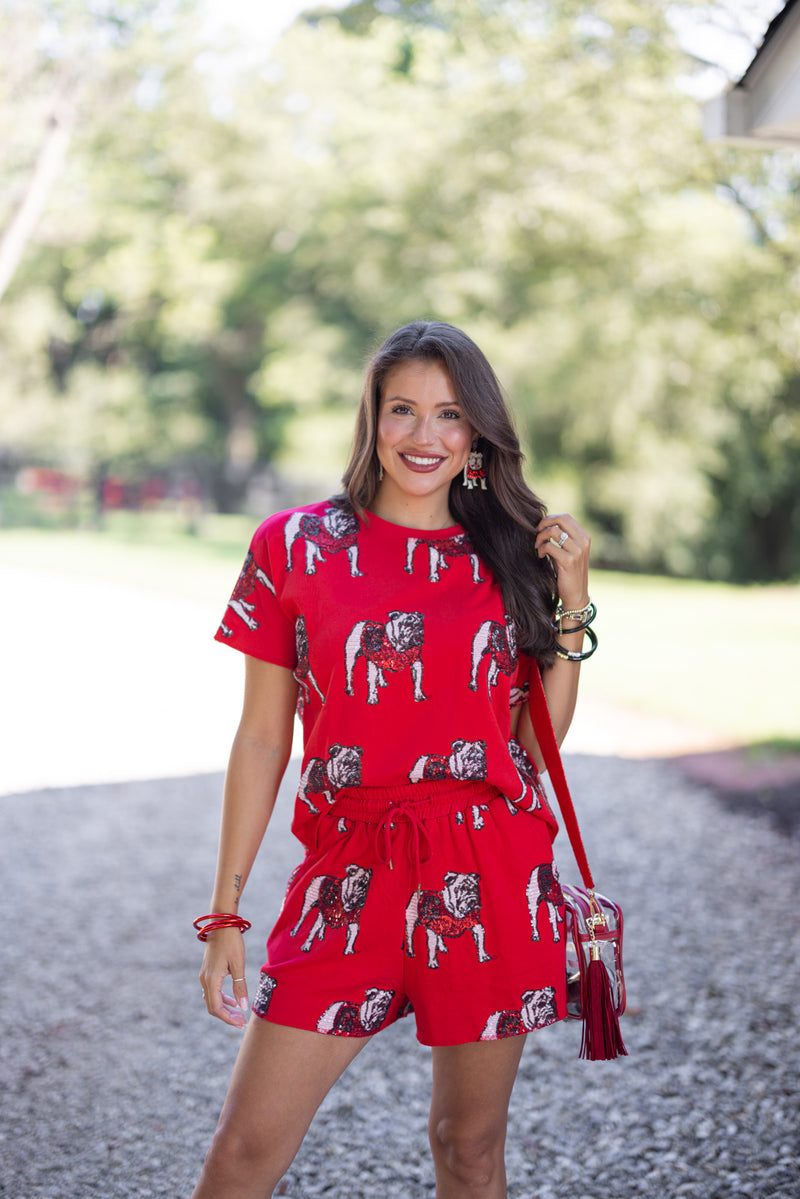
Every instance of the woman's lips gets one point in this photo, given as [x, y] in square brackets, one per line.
[423, 463]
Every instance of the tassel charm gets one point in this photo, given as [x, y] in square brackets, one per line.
[602, 1038]
[595, 980]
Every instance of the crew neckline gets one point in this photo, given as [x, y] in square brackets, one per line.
[410, 531]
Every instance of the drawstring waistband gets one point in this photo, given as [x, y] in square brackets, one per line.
[418, 832]
[409, 803]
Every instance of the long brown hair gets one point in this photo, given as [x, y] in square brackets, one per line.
[501, 521]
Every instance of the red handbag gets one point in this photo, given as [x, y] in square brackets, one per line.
[595, 980]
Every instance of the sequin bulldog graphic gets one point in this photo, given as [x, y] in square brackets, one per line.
[532, 794]
[251, 577]
[336, 903]
[330, 533]
[266, 989]
[538, 1010]
[321, 777]
[451, 912]
[466, 761]
[439, 551]
[498, 643]
[394, 646]
[302, 672]
[544, 888]
[349, 1019]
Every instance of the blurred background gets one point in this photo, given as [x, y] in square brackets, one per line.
[212, 211]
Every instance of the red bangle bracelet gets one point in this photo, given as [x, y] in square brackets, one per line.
[216, 920]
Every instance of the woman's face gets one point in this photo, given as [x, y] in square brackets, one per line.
[424, 439]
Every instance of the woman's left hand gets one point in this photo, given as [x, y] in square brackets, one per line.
[563, 540]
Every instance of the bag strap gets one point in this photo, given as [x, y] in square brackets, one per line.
[545, 735]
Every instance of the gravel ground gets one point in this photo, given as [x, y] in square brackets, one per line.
[112, 1074]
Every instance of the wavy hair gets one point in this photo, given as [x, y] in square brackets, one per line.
[501, 521]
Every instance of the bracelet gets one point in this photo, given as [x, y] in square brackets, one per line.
[570, 655]
[216, 920]
[579, 613]
[585, 615]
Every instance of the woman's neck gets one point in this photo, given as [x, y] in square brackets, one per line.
[410, 512]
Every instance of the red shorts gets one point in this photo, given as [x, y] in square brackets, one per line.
[439, 898]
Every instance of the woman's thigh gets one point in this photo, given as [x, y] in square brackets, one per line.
[280, 1078]
[472, 1087]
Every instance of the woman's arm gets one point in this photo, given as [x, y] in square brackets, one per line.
[571, 560]
[260, 753]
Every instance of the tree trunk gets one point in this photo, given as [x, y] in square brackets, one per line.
[49, 164]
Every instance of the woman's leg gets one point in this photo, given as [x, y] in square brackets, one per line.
[280, 1078]
[472, 1087]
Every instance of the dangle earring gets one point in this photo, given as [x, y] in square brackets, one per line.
[474, 473]
[380, 472]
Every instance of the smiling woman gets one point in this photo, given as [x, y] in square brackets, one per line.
[420, 809]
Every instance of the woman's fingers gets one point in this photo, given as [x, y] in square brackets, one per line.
[225, 1007]
[240, 993]
[558, 531]
[216, 968]
[562, 539]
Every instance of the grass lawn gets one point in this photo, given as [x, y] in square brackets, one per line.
[725, 658]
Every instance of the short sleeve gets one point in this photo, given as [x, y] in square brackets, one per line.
[255, 622]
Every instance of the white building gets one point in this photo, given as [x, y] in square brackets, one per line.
[763, 108]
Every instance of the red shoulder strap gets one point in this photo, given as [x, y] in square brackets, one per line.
[543, 728]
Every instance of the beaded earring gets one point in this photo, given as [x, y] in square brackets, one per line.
[474, 472]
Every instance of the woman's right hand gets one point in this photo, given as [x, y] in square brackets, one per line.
[224, 955]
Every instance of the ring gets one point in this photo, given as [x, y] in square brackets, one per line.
[564, 537]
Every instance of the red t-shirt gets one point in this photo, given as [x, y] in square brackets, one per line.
[406, 661]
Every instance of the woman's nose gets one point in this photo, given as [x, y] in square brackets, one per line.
[424, 433]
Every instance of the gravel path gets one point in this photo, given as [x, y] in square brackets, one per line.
[112, 1074]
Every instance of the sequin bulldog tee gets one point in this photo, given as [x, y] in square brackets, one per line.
[405, 659]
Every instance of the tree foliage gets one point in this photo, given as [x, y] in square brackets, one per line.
[234, 228]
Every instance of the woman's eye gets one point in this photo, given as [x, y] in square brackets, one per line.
[452, 414]
[399, 409]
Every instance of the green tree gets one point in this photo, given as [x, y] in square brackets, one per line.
[234, 229]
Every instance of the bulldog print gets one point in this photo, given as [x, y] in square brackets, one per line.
[396, 645]
[538, 1010]
[342, 769]
[302, 672]
[529, 778]
[476, 811]
[466, 761]
[250, 575]
[499, 643]
[266, 989]
[544, 888]
[451, 912]
[474, 474]
[330, 533]
[439, 550]
[348, 1019]
[337, 903]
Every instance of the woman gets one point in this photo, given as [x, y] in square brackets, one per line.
[403, 618]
